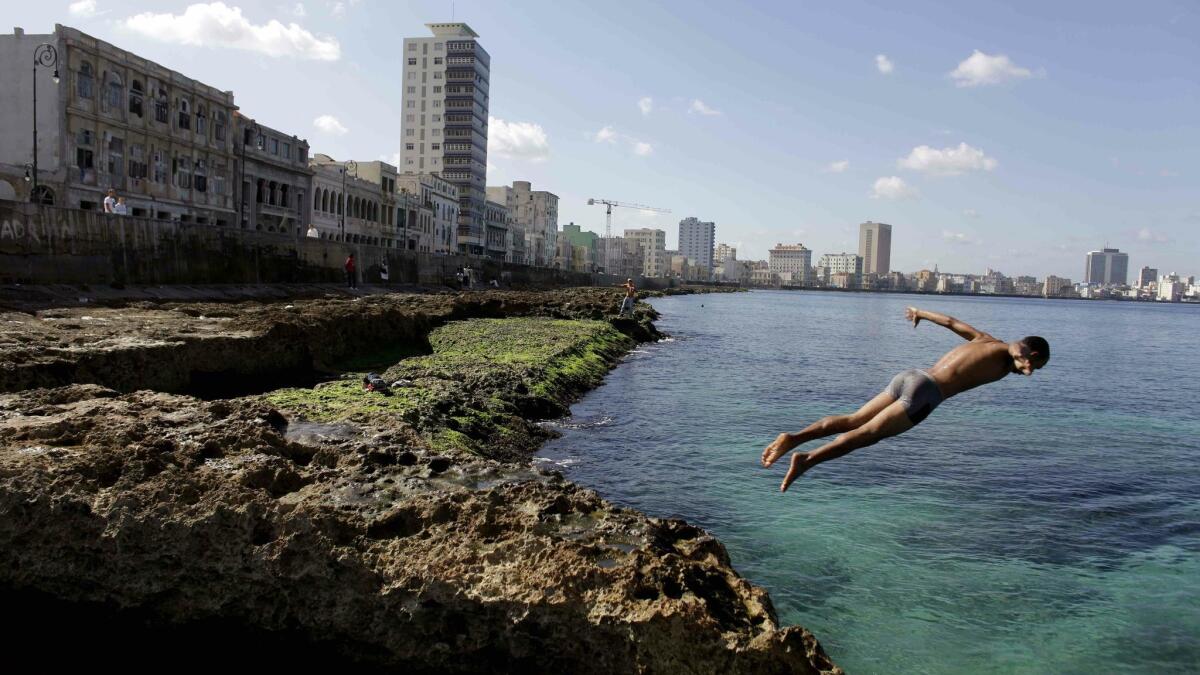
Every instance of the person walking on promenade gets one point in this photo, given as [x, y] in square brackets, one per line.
[121, 209]
[110, 201]
[912, 394]
[630, 297]
[351, 277]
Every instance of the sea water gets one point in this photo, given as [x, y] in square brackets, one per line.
[1044, 524]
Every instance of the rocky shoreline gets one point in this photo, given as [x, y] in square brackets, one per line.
[218, 469]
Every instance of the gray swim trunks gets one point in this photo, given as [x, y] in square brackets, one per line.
[917, 391]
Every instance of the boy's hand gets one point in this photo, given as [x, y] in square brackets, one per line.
[912, 314]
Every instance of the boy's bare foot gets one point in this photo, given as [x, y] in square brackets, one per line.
[782, 443]
[800, 464]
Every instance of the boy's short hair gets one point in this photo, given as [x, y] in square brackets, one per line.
[1037, 344]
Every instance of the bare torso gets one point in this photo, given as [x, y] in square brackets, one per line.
[969, 365]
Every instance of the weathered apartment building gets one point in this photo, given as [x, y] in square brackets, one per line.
[274, 176]
[441, 198]
[536, 212]
[116, 120]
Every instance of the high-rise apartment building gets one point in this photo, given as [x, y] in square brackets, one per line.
[792, 262]
[875, 247]
[445, 124]
[1146, 276]
[654, 250]
[696, 241]
[1107, 267]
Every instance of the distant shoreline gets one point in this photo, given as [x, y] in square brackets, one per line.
[960, 293]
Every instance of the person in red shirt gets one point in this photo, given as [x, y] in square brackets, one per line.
[351, 277]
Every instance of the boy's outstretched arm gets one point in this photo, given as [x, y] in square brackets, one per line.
[965, 330]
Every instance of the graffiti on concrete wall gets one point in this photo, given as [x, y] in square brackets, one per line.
[22, 231]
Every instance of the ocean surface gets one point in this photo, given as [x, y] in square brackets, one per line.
[1048, 524]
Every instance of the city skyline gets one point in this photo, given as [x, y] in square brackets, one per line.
[974, 172]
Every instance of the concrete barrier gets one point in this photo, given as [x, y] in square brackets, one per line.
[55, 245]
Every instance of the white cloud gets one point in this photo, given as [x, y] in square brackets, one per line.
[84, 9]
[837, 167]
[956, 237]
[517, 140]
[979, 69]
[645, 104]
[1146, 234]
[699, 106]
[947, 161]
[892, 187]
[605, 135]
[330, 125]
[884, 64]
[218, 25]
[642, 149]
[970, 213]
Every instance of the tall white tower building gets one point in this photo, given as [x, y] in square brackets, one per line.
[696, 241]
[875, 247]
[445, 126]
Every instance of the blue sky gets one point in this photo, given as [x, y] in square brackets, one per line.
[1075, 125]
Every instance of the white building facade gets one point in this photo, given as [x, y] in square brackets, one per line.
[697, 240]
[791, 262]
[654, 250]
[444, 128]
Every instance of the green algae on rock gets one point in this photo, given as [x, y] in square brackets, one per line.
[480, 389]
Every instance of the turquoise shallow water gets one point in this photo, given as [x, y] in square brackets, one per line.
[1044, 524]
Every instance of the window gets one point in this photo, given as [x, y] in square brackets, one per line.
[437, 118]
[301, 154]
[437, 75]
[116, 156]
[114, 90]
[275, 146]
[218, 179]
[412, 62]
[435, 146]
[410, 103]
[182, 168]
[84, 161]
[137, 161]
[437, 90]
[437, 60]
[135, 98]
[412, 74]
[185, 119]
[201, 121]
[160, 168]
[409, 146]
[437, 104]
[262, 142]
[412, 46]
[409, 132]
[201, 181]
[219, 125]
[160, 106]
[83, 82]
[437, 46]
[287, 150]
[437, 132]
[412, 90]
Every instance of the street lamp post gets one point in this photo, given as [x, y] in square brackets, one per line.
[347, 167]
[43, 55]
[253, 129]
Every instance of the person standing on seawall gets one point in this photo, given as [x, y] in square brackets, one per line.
[121, 209]
[110, 201]
[351, 277]
[912, 394]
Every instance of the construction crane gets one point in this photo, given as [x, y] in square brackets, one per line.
[609, 203]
